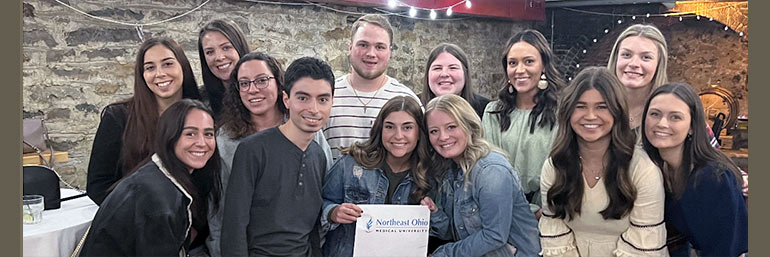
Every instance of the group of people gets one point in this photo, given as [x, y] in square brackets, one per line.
[263, 161]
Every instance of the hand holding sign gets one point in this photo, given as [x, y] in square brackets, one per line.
[345, 213]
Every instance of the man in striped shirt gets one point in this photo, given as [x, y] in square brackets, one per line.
[359, 95]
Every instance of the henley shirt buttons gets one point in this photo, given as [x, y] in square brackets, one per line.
[300, 183]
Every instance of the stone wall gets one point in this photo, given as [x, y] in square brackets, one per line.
[74, 65]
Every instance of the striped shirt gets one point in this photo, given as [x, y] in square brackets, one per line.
[352, 116]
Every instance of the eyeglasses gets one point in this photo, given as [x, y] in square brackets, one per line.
[259, 83]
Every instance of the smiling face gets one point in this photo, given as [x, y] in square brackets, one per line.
[258, 101]
[221, 56]
[667, 123]
[524, 66]
[370, 51]
[196, 144]
[446, 136]
[637, 62]
[163, 73]
[309, 104]
[400, 134]
[591, 120]
[446, 75]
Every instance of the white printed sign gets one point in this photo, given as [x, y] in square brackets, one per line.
[392, 230]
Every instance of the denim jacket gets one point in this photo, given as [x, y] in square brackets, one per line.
[349, 182]
[489, 214]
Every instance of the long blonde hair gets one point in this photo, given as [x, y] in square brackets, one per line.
[649, 32]
[470, 123]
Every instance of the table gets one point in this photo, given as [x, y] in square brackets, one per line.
[34, 158]
[61, 229]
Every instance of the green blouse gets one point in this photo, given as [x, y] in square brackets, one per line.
[526, 152]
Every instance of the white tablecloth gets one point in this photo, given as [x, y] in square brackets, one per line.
[61, 229]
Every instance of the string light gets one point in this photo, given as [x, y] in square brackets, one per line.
[594, 40]
[606, 31]
[621, 21]
[680, 18]
[648, 15]
[432, 12]
[633, 17]
[584, 51]
[726, 28]
[392, 4]
[711, 19]
[697, 17]
[740, 34]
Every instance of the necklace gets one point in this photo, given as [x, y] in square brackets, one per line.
[594, 172]
[359, 97]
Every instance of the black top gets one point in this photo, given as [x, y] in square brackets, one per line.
[480, 104]
[146, 215]
[273, 198]
[103, 167]
[394, 179]
[711, 213]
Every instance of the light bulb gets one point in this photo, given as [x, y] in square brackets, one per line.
[606, 31]
[449, 11]
[468, 4]
[432, 14]
[392, 4]
[412, 12]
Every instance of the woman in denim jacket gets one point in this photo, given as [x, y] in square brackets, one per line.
[385, 169]
[480, 202]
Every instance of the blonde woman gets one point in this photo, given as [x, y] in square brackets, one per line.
[480, 203]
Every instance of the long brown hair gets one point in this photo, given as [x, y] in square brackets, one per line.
[236, 118]
[546, 99]
[202, 182]
[139, 134]
[566, 195]
[215, 90]
[371, 153]
[697, 152]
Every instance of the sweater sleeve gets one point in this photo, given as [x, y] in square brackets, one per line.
[491, 125]
[556, 238]
[646, 234]
[238, 202]
[716, 214]
[103, 170]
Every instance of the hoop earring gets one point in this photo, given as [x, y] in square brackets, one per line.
[543, 83]
[510, 87]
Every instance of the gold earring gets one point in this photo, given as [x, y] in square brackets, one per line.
[543, 83]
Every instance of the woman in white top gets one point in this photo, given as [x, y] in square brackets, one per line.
[602, 195]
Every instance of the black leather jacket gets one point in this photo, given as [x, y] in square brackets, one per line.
[148, 214]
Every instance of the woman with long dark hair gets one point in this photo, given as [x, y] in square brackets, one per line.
[703, 186]
[162, 76]
[479, 204]
[523, 121]
[602, 195]
[220, 45]
[388, 168]
[160, 209]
